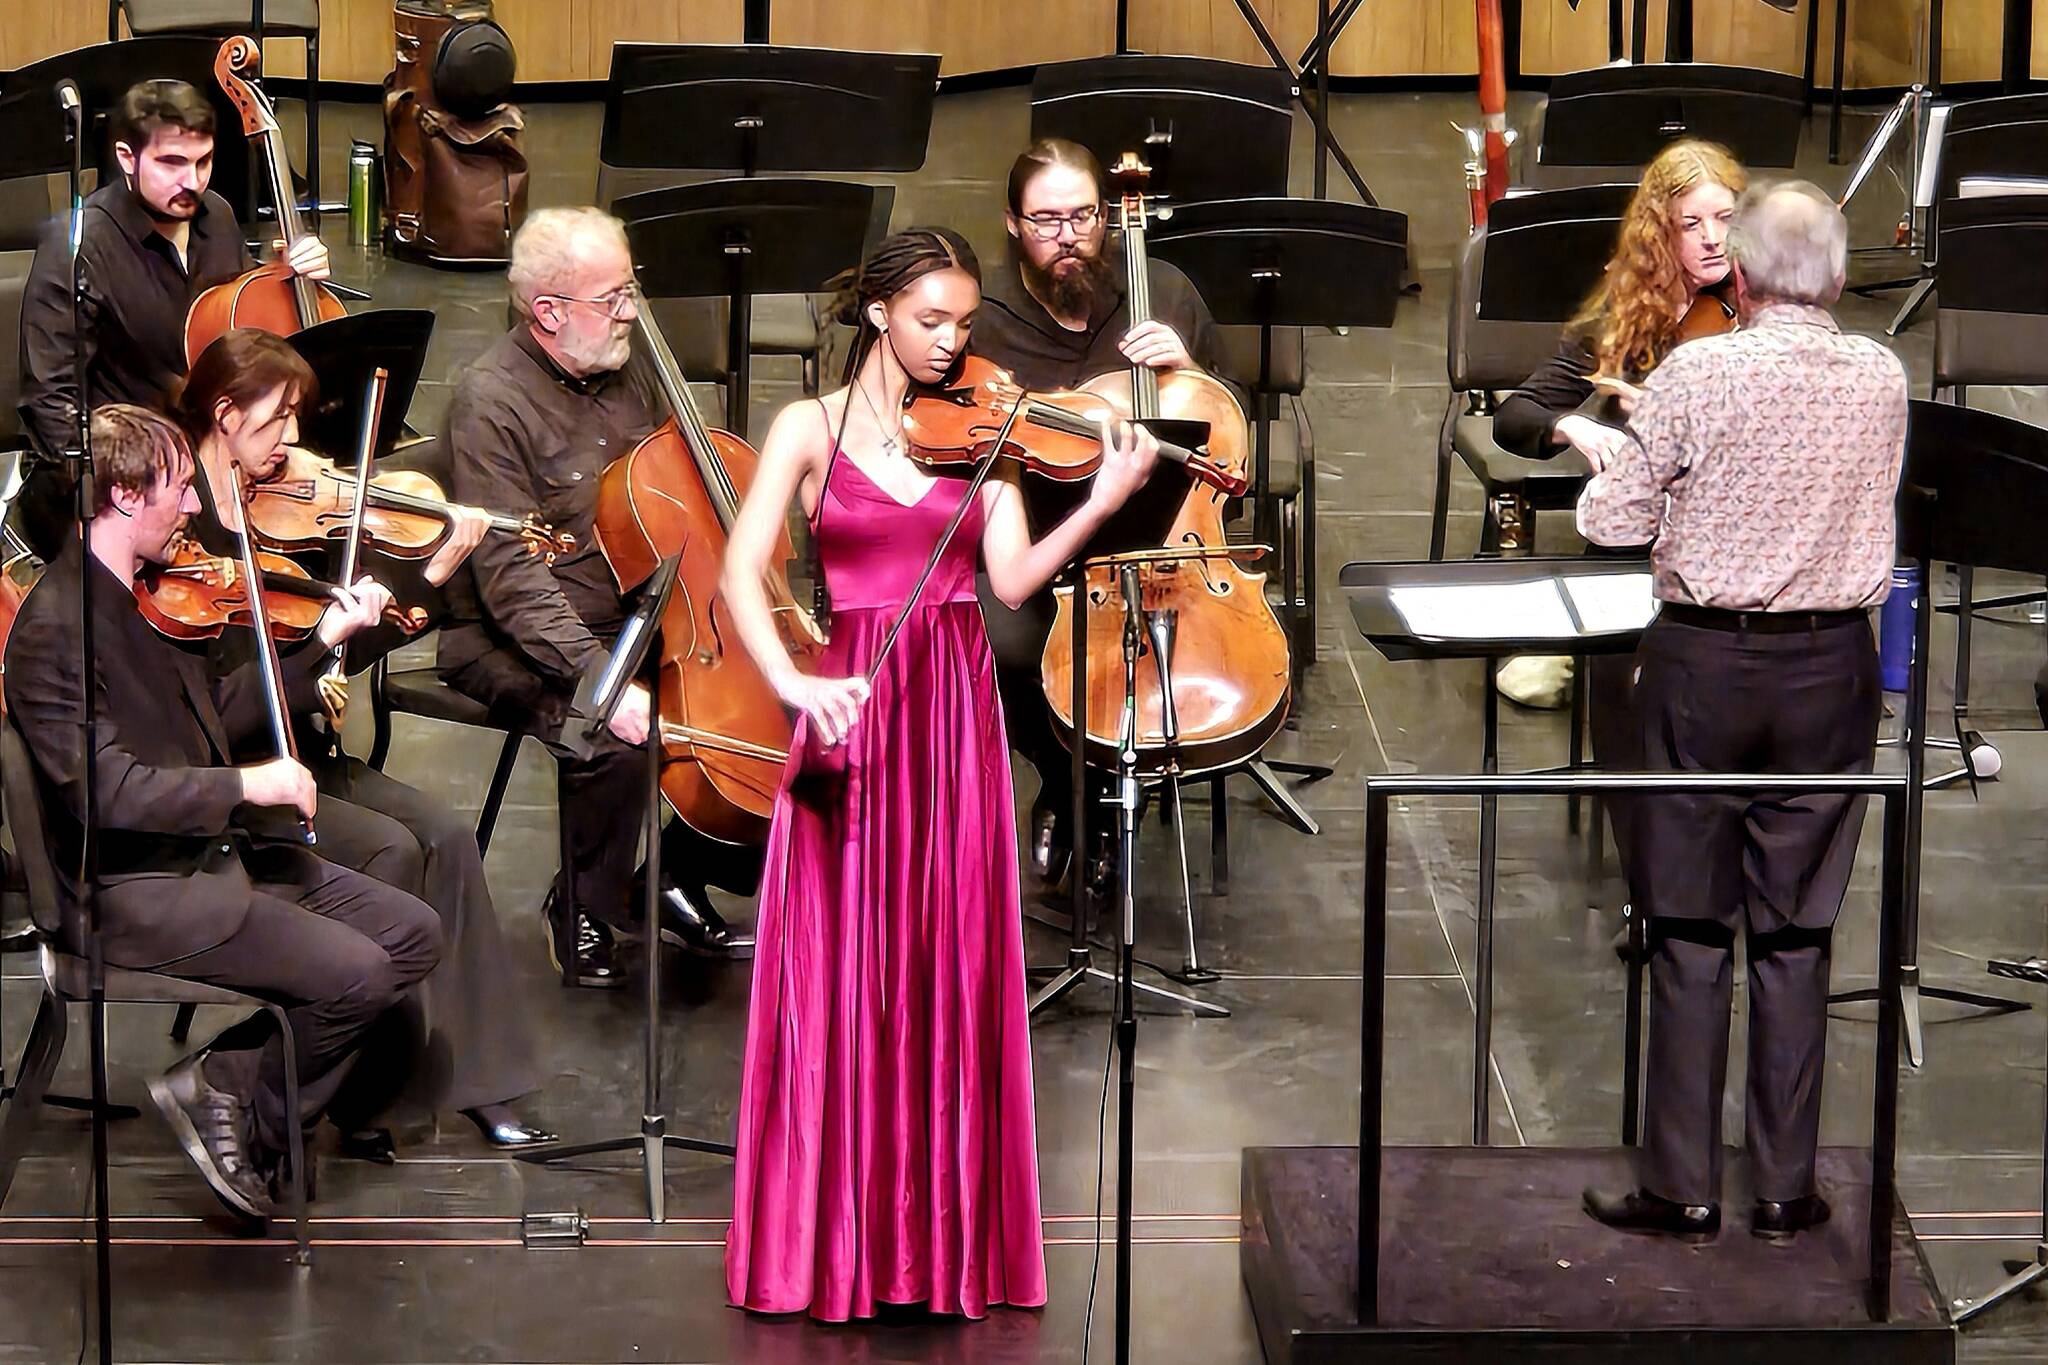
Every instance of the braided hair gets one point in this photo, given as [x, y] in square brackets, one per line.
[897, 262]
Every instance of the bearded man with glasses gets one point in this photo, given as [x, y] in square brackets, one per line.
[1055, 315]
[530, 429]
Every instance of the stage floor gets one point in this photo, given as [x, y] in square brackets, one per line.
[421, 1262]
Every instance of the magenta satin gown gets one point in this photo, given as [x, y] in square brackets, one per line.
[886, 1145]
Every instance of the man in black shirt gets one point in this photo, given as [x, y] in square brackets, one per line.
[1056, 314]
[531, 428]
[152, 242]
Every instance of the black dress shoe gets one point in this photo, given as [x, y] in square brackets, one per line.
[215, 1130]
[502, 1128]
[1641, 1211]
[374, 1145]
[596, 953]
[688, 922]
[1777, 1221]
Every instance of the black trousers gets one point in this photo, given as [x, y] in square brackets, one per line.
[1708, 868]
[339, 949]
[602, 801]
[478, 1042]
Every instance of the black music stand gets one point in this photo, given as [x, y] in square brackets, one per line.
[633, 657]
[752, 107]
[1208, 129]
[1616, 119]
[1970, 480]
[739, 238]
[103, 73]
[343, 353]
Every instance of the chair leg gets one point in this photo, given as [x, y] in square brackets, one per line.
[1305, 529]
[181, 1026]
[295, 1136]
[501, 776]
[1219, 838]
[1575, 753]
[1440, 506]
[39, 1061]
[380, 716]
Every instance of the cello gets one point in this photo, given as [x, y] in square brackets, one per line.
[1231, 679]
[724, 734]
[270, 297]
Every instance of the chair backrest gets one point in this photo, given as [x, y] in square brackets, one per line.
[1991, 314]
[2003, 136]
[13, 284]
[1518, 282]
[31, 839]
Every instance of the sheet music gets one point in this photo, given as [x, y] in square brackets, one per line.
[1484, 611]
[1611, 603]
[1998, 186]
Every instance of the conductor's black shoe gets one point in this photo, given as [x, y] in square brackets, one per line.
[596, 953]
[214, 1128]
[688, 922]
[1776, 1221]
[504, 1129]
[1641, 1211]
[374, 1145]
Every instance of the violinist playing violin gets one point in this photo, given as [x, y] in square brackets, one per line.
[888, 1008]
[1056, 315]
[532, 425]
[153, 240]
[239, 408]
[203, 869]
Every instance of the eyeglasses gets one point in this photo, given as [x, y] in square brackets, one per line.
[1046, 226]
[617, 304]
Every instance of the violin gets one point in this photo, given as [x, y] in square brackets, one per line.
[1057, 434]
[312, 504]
[196, 596]
[270, 297]
[724, 734]
[1231, 663]
[1710, 314]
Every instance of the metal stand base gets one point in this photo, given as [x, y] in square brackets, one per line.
[1911, 992]
[1965, 1309]
[1264, 772]
[1080, 967]
[653, 1141]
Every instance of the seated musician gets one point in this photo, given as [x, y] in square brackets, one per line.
[530, 430]
[203, 871]
[1055, 315]
[1672, 251]
[152, 241]
[240, 407]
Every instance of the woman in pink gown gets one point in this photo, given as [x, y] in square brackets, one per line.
[886, 1145]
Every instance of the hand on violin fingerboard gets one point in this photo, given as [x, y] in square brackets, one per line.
[355, 608]
[467, 527]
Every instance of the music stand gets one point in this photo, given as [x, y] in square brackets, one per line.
[752, 107]
[343, 353]
[1610, 121]
[739, 238]
[103, 72]
[1208, 129]
[634, 656]
[1970, 480]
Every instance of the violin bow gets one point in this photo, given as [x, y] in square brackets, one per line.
[334, 682]
[266, 648]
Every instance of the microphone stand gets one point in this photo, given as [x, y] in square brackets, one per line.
[81, 462]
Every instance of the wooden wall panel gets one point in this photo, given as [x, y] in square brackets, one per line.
[1556, 38]
[968, 37]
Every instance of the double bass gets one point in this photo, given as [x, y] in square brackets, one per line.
[270, 297]
[1231, 679]
[724, 733]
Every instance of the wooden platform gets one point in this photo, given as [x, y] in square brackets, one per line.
[1487, 1257]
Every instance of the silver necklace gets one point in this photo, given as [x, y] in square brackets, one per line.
[891, 445]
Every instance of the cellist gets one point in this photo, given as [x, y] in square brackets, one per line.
[152, 241]
[1054, 314]
[532, 425]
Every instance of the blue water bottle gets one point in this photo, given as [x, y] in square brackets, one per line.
[1895, 623]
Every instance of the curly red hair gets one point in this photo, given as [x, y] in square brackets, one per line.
[1632, 319]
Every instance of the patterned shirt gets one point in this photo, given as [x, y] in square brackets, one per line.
[1765, 465]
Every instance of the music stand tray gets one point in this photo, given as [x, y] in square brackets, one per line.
[738, 238]
[751, 107]
[34, 142]
[1620, 117]
[343, 353]
[1209, 129]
